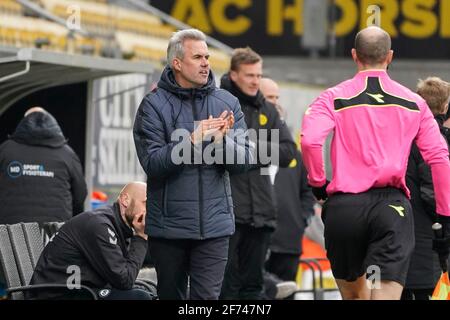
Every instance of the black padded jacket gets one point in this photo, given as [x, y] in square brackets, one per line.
[41, 177]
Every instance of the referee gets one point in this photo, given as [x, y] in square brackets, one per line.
[368, 217]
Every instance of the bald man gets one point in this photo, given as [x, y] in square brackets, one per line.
[368, 217]
[102, 249]
[271, 92]
[34, 109]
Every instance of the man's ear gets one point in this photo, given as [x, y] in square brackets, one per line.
[125, 199]
[176, 64]
[354, 55]
[445, 108]
[233, 75]
[390, 56]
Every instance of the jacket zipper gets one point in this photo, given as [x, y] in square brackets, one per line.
[226, 193]
[200, 185]
[165, 199]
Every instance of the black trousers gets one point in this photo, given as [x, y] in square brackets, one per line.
[417, 294]
[202, 262]
[284, 265]
[244, 273]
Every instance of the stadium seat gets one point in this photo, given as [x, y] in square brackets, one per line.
[219, 60]
[48, 230]
[143, 47]
[104, 19]
[19, 249]
[24, 31]
[10, 7]
[116, 32]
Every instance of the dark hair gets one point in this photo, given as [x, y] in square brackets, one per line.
[243, 56]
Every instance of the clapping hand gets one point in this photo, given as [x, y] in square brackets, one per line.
[213, 128]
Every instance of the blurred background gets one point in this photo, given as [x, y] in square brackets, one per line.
[89, 63]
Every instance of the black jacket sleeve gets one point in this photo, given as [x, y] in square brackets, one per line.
[238, 145]
[419, 173]
[425, 180]
[285, 145]
[107, 258]
[306, 195]
[77, 183]
[445, 132]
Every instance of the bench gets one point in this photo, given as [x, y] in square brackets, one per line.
[20, 247]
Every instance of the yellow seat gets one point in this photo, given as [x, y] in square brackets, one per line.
[10, 7]
[140, 35]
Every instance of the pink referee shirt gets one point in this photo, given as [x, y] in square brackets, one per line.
[374, 120]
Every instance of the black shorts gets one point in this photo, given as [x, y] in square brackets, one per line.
[367, 231]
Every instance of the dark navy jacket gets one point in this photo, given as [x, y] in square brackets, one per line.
[186, 200]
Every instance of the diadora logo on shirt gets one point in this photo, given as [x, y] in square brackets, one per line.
[374, 96]
[112, 237]
[378, 97]
[16, 169]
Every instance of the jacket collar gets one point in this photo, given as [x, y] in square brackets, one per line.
[372, 73]
[39, 128]
[168, 83]
[229, 85]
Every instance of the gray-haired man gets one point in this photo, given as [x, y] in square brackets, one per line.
[190, 201]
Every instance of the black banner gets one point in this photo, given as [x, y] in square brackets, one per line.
[114, 161]
[419, 28]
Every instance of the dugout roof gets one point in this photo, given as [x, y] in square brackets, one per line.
[24, 71]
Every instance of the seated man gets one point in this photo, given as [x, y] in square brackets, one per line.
[93, 249]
